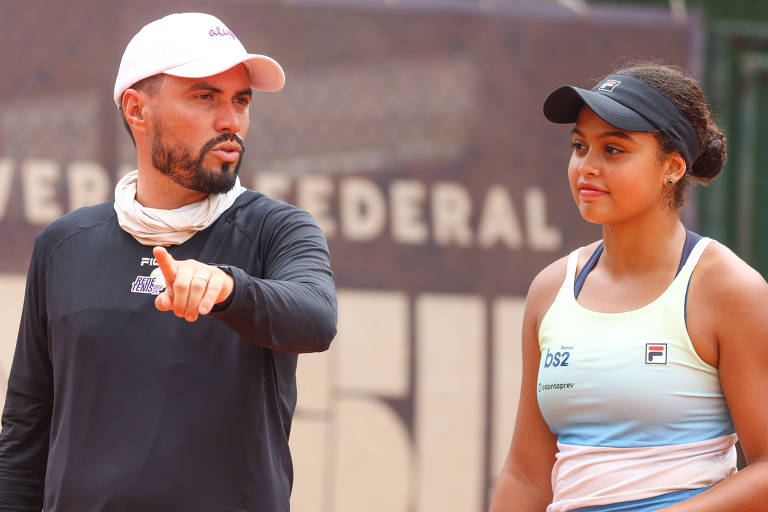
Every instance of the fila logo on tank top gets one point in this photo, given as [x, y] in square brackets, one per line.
[637, 412]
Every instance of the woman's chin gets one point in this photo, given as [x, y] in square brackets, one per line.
[590, 214]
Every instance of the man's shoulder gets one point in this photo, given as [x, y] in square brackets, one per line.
[256, 209]
[76, 221]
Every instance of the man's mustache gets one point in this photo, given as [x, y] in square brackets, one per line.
[224, 137]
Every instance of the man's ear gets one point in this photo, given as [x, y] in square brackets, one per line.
[134, 110]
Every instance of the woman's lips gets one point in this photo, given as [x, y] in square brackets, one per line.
[589, 191]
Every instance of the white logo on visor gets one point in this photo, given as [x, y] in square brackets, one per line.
[609, 85]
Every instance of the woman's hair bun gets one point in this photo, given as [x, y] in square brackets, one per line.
[712, 158]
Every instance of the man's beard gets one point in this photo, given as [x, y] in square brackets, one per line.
[178, 164]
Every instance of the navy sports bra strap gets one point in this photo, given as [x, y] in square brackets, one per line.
[691, 239]
[591, 262]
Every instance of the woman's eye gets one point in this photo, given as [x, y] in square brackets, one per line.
[611, 150]
[577, 146]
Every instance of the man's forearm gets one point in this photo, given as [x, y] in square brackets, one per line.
[285, 316]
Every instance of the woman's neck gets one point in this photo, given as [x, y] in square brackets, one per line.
[644, 245]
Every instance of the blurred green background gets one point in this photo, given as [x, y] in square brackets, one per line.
[715, 10]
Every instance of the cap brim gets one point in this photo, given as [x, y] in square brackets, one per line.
[564, 104]
[264, 72]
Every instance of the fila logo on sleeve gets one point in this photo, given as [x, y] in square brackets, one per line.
[655, 353]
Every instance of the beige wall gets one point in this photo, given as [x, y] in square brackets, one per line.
[12, 288]
[350, 445]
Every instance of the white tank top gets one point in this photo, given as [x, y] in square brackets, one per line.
[636, 411]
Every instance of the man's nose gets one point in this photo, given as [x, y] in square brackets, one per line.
[228, 119]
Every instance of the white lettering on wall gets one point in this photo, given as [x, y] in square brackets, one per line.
[540, 236]
[276, 186]
[39, 180]
[88, 184]
[408, 226]
[498, 222]
[451, 212]
[314, 195]
[6, 178]
[362, 209]
[355, 209]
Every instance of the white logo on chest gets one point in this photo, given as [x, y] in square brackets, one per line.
[152, 284]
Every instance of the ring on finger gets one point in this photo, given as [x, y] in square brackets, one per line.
[204, 277]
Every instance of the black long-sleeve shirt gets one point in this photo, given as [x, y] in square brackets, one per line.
[115, 406]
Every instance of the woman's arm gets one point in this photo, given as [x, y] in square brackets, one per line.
[735, 297]
[525, 481]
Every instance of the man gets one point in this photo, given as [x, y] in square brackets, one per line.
[155, 363]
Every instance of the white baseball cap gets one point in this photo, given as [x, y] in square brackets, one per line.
[192, 45]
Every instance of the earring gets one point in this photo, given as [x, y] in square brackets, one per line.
[670, 181]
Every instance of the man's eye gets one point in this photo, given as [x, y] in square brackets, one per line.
[205, 96]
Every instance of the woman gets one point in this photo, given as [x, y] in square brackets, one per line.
[645, 354]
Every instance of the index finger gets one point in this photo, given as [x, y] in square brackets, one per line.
[166, 263]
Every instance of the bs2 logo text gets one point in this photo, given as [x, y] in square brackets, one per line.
[556, 359]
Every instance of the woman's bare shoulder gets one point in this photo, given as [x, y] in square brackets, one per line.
[549, 280]
[723, 276]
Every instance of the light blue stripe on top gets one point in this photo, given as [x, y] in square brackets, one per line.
[641, 434]
[646, 505]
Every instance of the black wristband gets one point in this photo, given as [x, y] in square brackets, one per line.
[221, 306]
[225, 268]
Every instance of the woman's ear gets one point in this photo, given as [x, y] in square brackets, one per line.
[675, 167]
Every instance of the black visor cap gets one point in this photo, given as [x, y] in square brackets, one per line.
[627, 104]
[564, 104]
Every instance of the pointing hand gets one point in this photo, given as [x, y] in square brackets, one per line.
[192, 287]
